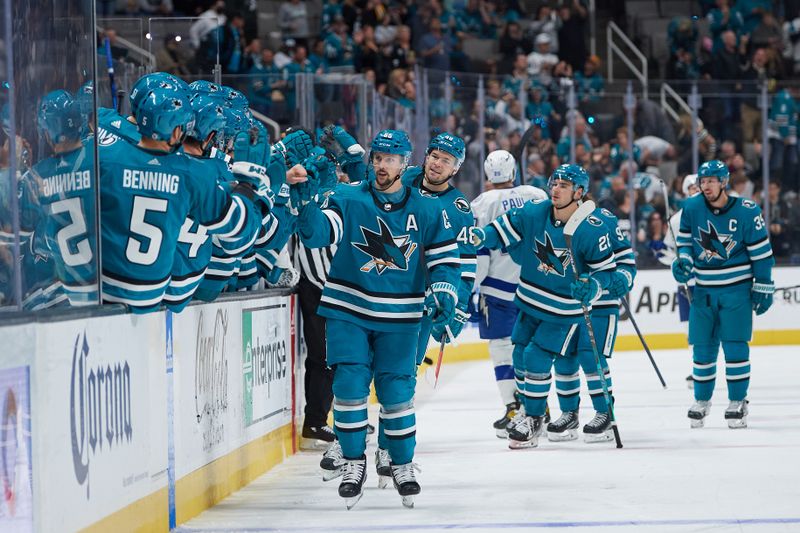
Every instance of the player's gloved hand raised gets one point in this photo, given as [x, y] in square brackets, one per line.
[682, 269]
[341, 145]
[477, 236]
[440, 304]
[586, 289]
[762, 296]
[303, 192]
[319, 165]
[621, 282]
[456, 325]
[296, 146]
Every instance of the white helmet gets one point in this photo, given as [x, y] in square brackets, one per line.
[500, 167]
[688, 181]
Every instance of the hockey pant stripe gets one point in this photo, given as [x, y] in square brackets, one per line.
[397, 429]
[596, 389]
[704, 371]
[568, 382]
[350, 419]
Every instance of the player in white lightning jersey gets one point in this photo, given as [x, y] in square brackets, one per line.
[498, 276]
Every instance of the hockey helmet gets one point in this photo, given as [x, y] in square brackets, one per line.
[572, 173]
[209, 117]
[60, 117]
[452, 144]
[714, 169]
[500, 167]
[148, 82]
[162, 110]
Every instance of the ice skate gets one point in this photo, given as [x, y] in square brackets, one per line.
[332, 462]
[405, 481]
[598, 429]
[370, 432]
[690, 382]
[383, 467]
[526, 433]
[565, 428]
[698, 413]
[736, 414]
[501, 424]
[316, 437]
[354, 474]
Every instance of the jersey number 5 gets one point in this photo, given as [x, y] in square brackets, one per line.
[152, 234]
[76, 228]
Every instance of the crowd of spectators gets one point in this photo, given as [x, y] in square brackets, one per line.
[540, 56]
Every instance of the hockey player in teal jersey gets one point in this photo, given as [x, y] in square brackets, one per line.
[723, 243]
[67, 192]
[605, 317]
[550, 328]
[374, 299]
[147, 191]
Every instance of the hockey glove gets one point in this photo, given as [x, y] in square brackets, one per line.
[455, 325]
[296, 147]
[761, 295]
[477, 236]
[440, 304]
[682, 269]
[321, 168]
[586, 289]
[621, 282]
[342, 145]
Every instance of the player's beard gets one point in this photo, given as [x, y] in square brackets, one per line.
[381, 185]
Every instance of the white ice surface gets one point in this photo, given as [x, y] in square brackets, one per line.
[667, 477]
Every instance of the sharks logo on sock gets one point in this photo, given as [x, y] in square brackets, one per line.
[384, 249]
[715, 245]
[551, 260]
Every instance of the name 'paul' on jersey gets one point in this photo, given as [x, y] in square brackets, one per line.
[377, 277]
[729, 246]
[546, 275]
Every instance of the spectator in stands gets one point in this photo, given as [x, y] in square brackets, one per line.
[118, 53]
[266, 82]
[707, 144]
[172, 58]
[782, 134]
[300, 64]
[368, 53]
[683, 66]
[618, 153]
[741, 186]
[791, 44]
[386, 31]
[752, 10]
[349, 13]
[756, 73]
[515, 120]
[209, 20]
[581, 138]
[339, 46]
[512, 45]
[540, 111]
[650, 243]
[155, 7]
[293, 21]
[768, 33]
[780, 221]
[518, 79]
[588, 82]
[721, 19]
[682, 35]
[546, 22]
[572, 34]
[537, 173]
[541, 61]
[330, 10]
[232, 44]
[317, 57]
[435, 47]
[284, 56]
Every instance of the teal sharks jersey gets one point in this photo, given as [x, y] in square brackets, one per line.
[546, 270]
[377, 278]
[146, 197]
[111, 122]
[729, 247]
[458, 214]
[623, 256]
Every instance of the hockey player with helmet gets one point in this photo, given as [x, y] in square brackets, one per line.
[724, 245]
[374, 298]
[551, 325]
[148, 190]
[497, 279]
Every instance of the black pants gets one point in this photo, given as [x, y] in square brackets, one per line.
[318, 377]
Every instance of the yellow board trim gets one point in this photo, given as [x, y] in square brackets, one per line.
[208, 485]
[474, 351]
[203, 488]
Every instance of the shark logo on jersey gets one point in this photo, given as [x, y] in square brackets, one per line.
[715, 245]
[551, 260]
[384, 249]
[461, 204]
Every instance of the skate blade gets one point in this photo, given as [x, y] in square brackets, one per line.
[408, 502]
[522, 445]
[384, 481]
[313, 445]
[605, 436]
[570, 434]
[737, 423]
[351, 502]
[697, 423]
[501, 433]
[328, 475]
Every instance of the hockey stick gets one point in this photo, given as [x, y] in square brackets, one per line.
[681, 286]
[641, 339]
[449, 335]
[572, 224]
[787, 288]
[110, 66]
[523, 143]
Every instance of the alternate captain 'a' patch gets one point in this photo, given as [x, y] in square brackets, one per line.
[715, 245]
[551, 260]
[384, 249]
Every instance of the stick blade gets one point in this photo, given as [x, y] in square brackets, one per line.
[580, 214]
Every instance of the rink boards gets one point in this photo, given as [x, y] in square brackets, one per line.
[655, 308]
[126, 422]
